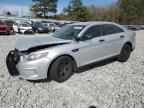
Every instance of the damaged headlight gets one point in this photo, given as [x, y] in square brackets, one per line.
[34, 56]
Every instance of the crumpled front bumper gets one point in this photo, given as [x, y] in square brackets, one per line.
[31, 70]
[11, 62]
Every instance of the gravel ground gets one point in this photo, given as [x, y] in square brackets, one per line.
[108, 85]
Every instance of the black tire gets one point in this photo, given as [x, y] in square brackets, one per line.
[19, 31]
[7, 34]
[125, 53]
[61, 69]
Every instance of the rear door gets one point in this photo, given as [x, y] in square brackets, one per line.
[113, 37]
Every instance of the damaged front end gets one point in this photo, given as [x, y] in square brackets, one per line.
[13, 57]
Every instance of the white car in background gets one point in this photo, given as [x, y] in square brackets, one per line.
[23, 28]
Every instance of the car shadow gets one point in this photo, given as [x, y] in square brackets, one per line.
[11, 34]
[95, 65]
[40, 81]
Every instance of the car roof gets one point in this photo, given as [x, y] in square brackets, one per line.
[94, 22]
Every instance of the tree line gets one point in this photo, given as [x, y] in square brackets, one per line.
[123, 11]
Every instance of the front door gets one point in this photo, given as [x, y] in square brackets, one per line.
[91, 50]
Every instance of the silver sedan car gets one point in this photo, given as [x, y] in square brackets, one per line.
[58, 56]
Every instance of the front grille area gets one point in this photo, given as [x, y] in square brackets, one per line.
[12, 59]
[28, 31]
[17, 56]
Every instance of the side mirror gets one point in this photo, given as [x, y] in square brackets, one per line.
[86, 37]
[76, 38]
[83, 38]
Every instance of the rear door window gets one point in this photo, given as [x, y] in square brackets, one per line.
[108, 29]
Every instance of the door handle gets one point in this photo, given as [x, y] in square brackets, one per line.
[121, 36]
[75, 50]
[102, 40]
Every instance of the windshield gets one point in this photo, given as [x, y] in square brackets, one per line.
[2, 23]
[39, 24]
[53, 25]
[68, 32]
[10, 22]
[25, 25]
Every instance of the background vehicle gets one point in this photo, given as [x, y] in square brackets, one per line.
[10, 23]
[52, 27]
[44, 22]
[133, 27]
[75, 45]
[38, 27]
[23, 28]
[4, 29]
[59, 24]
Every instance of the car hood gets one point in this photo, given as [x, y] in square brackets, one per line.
[25, 44]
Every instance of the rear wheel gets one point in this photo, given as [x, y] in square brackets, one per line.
[125, 53]
[61, 69]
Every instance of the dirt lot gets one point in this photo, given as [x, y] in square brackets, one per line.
[108, 85]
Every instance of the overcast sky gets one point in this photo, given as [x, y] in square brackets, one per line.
[17, 6]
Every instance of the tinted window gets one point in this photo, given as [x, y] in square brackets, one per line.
[69, 32]
[39, 24]
[8, 22]
[108, 29]
[94, 31]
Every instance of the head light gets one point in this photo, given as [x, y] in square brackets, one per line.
[34, 56]
[40, 28]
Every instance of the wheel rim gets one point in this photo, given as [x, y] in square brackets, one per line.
[64, 69]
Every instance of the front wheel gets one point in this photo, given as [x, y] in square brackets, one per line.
[61, 69]
[19, 31]
[125, 53]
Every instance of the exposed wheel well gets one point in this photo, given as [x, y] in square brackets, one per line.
[74, 63]
[129, 43]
